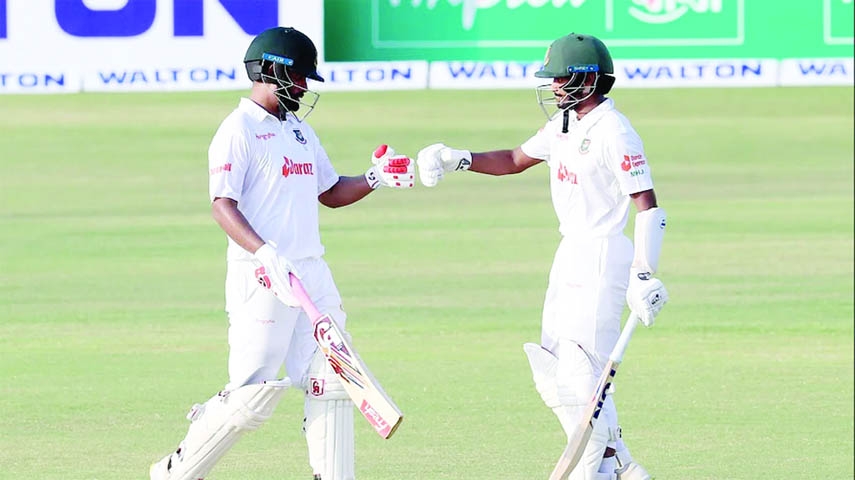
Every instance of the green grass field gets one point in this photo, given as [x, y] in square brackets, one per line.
[111, 287]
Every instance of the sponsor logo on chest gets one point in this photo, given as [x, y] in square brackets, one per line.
[295, 168]
[565, 175]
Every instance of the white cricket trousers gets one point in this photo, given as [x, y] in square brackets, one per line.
[586, 295]
[264, 333]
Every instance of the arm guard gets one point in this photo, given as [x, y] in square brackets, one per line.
[649, 230]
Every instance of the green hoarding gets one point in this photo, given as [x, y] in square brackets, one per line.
[520, 30]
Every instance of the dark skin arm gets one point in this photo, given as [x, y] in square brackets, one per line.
[346, 191]
[231, 220]
[644, 200]
[502, 162]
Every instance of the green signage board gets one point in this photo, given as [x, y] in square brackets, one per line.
[520, 30]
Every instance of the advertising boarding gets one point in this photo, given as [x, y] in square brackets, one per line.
[137, 45]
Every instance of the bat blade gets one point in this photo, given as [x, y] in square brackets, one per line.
[578, 440]
[361, 385]
[373, 402]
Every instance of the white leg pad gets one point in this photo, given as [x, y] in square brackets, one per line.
[543, 367]
[589, 465]
[216, 426]
[566, 385]
[627, 468]
[329, 423]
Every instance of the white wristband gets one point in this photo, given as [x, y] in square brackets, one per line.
[458, 159]
[372, 177]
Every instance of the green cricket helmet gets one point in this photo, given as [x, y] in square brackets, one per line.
[274, 56]
[575, 57]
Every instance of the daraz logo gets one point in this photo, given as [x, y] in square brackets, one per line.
[294, 168]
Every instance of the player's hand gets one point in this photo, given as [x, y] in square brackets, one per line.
[272, 273]
[390, 170]
[437, 159]
[646, 296]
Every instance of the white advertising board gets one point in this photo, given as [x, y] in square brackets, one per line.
[138, 45]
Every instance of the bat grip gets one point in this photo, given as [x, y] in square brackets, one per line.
[623, 340]
[303, 297]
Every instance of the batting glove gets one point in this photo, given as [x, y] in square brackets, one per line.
[645, 296]
[390, 170]
[437, 159]
[272, 273]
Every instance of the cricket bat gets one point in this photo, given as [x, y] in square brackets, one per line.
[579, 439]
[365, 391]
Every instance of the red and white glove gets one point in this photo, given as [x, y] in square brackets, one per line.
[645, 296]
[390, 170]
[272, 273]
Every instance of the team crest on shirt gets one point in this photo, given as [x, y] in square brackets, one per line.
[585, 146]
[299, 136]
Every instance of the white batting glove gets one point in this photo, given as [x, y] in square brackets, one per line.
[437, 159]
[645, 296]
[272, 273]
[390, 170]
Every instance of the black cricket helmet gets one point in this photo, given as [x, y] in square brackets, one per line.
[575, 57]
[275, 56]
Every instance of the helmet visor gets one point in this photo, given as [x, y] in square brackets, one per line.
[565, 92]
[292, 89]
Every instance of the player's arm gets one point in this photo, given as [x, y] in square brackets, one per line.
[646, 295]
[275, 268]
[434, 161]
[231, 220]
[500, 162]
[387, 170]
[644, 200]
[346, 191]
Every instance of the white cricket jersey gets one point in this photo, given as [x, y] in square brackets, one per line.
[593, 168]
[275, 170]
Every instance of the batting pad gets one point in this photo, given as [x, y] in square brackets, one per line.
[329, 423]
[543, 366]
[219, 422]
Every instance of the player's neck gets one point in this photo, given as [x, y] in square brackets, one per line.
[587, 105]
[265, 99]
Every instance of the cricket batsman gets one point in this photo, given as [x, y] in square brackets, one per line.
[267, 174]
[597, 169]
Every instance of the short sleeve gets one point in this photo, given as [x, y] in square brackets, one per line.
[327, 176]
[624, 156]
[228, 159]
[538, 145]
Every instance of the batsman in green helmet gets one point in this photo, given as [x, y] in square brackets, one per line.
[597, 170]
[584, 70]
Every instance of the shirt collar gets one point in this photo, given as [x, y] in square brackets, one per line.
[255, 111]
[604, 107]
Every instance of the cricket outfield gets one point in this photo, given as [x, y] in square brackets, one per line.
[111, 287]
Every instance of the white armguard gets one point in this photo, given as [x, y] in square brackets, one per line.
[649, 230]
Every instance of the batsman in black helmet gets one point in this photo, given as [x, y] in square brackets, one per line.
[267, 174]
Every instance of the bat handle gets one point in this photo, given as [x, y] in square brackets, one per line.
[303, 297]
[623, 340]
